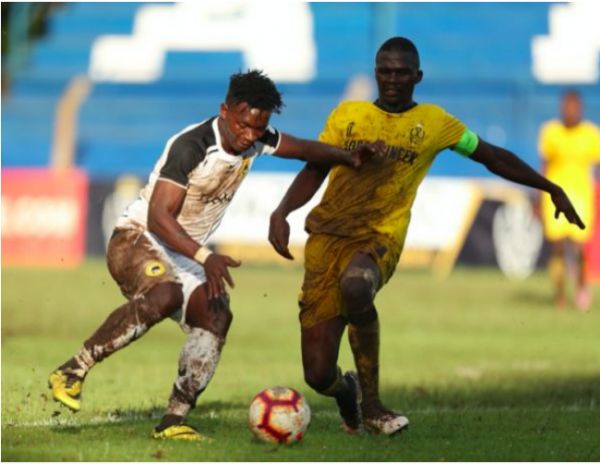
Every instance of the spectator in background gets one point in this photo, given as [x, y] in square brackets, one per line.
[569, 148]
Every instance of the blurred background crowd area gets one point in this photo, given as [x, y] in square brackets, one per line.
[98, 88]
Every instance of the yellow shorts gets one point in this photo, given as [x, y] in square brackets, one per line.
[558, 229]
[326, 258]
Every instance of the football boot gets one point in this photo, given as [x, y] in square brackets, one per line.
[66, 389]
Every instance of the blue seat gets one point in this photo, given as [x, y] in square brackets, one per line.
[476, 58]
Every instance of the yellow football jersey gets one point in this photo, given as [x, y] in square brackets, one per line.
[569, 154]
[378, 197]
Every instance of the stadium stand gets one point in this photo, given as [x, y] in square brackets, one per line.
[476, 58]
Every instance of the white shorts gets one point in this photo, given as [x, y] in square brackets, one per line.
[190, 274]
[138, 260]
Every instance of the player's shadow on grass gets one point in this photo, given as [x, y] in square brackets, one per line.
[205, 413]
[521, 391]
[518, 392]
[113, 417]
[532, 298]
[526, 391]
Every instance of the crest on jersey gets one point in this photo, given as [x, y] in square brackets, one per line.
[417, 135]
[245, 167]
[154, 269]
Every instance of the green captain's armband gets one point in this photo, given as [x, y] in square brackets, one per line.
[467, 144]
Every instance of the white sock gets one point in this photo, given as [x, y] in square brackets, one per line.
[197, 364]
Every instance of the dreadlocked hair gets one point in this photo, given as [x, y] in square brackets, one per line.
[255, 88]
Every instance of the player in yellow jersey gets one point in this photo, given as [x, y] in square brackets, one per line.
[569, 149]
[357, 231]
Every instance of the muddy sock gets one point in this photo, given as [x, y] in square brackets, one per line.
[364, 341]
[197, 364]
[124, 325]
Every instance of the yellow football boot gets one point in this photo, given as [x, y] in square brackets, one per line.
[65, 391]
[179, 432]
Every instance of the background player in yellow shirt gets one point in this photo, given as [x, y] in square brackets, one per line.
[569, 149]
[357, 232]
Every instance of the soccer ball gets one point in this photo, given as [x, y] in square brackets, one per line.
[279, 415]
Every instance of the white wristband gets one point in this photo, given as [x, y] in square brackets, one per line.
[202, 253]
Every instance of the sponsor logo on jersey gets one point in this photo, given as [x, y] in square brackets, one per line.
[349, 129]
[391, 152]
[225, 197]
[245, 167]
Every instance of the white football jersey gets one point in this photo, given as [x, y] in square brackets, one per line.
[195, 160]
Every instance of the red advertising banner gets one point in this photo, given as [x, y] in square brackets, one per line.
[593, 247]
[43, 217]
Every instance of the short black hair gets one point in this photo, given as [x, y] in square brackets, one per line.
[255, 88]
[571, 93]
[401, 44]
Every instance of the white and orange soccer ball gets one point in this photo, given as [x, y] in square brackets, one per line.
[279, 415]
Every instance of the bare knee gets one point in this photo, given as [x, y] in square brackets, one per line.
[221, 317]
[356, 291]
[357, 297]
[357, 288]
[165, 298]
[320, 348]
[319, 378]
[212, 315]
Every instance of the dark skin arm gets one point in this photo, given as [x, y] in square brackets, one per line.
[165, 204]
[506, 164]
[498, 160]
[322, 154]
[319, 157]
[537, 198]
[302, 189]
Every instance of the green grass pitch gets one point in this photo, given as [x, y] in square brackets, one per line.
[484, 367]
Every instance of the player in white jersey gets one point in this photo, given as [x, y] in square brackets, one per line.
[158, 255]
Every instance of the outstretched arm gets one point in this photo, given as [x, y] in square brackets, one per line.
[506, 164]
[323, 154]
[302, 189]
[537, 198]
